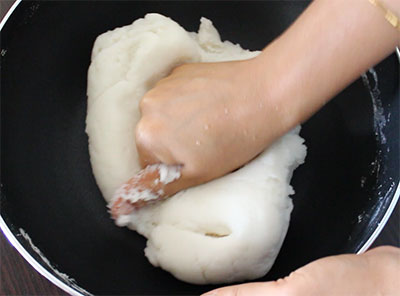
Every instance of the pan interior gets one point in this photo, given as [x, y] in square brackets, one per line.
[47, 187]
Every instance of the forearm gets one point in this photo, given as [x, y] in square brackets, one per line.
[230, 112]
[326, 49]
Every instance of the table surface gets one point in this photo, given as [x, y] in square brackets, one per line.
[17, 277]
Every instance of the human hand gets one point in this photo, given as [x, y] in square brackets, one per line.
[375, 272]
[212, 118]
[206, 120]
[209, 118]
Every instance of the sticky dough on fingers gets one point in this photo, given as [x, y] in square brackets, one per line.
[230, 229]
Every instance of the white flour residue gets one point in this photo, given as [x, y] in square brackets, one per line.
[380, 119]
[379, 116]
[168, 174]
[360, 217]
[70, 281]
[363, 180]
[123, 220]
[135, 192]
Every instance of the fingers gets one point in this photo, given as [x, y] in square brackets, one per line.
[149, 143]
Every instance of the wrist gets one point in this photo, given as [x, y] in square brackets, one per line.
[320, 54]
[278, 84]
[267, 108]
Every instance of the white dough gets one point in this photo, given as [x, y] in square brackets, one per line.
[230, 229]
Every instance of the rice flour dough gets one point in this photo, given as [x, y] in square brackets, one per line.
[230, 229]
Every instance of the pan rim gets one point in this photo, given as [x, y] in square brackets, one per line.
[8, 14]
[33, 262]
[72, 291]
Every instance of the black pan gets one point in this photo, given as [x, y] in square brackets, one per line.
[344, 192]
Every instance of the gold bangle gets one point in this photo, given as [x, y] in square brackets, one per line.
[389, 16]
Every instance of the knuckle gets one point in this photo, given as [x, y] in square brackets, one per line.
[148, 101]
[146, 133]
[296, 283]
[179, 68]
[237, 291]
[146, 142]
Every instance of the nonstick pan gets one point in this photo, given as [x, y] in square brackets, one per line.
[345, 191]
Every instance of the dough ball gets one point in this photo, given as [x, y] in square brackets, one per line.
[227, 230]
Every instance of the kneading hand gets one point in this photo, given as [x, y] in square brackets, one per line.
[209, 118]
